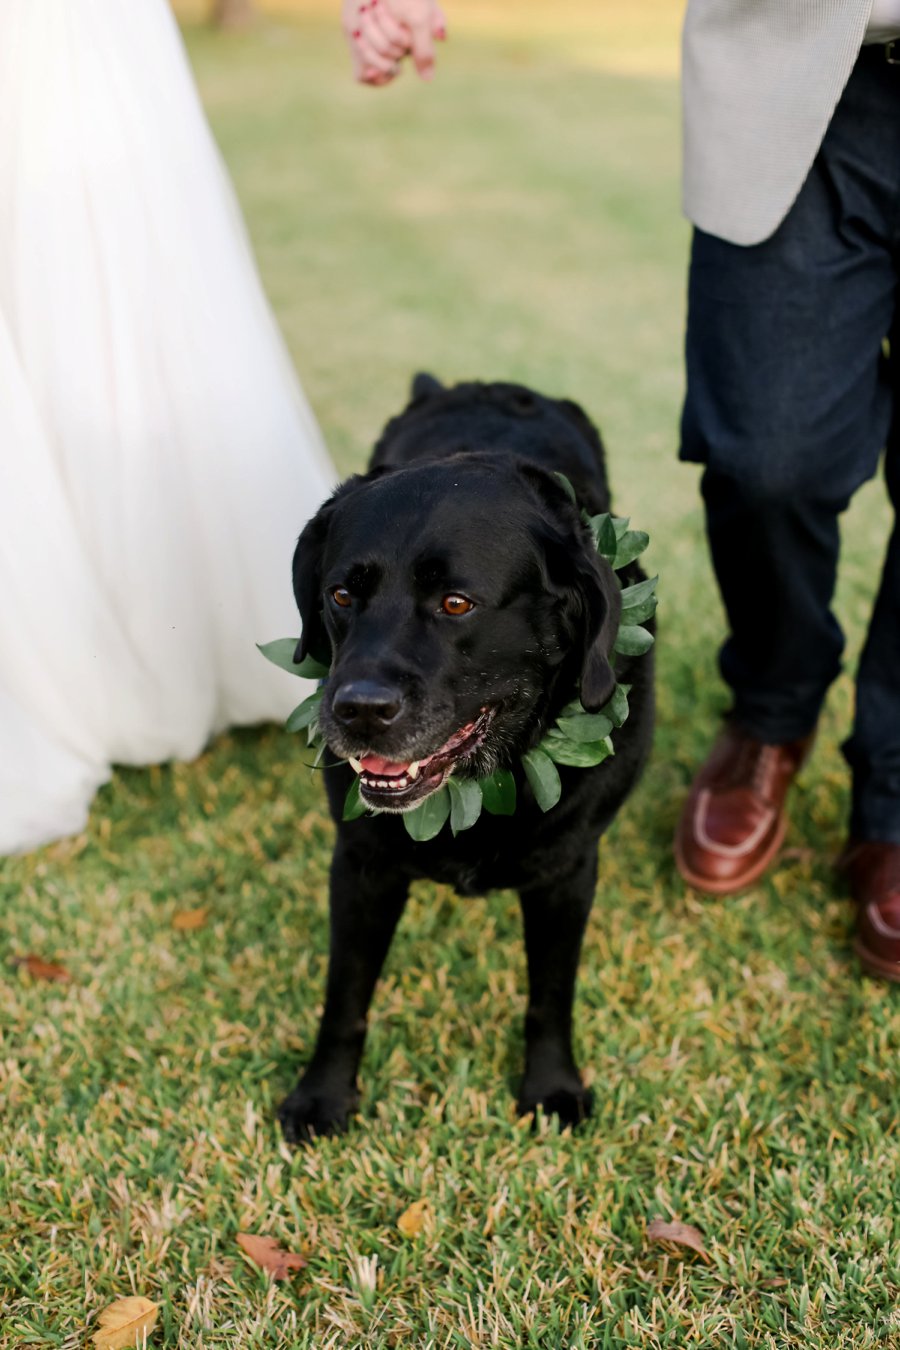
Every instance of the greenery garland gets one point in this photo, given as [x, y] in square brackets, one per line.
[577, 738]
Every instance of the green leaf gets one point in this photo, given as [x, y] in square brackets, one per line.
[306, 713]
[573, 709]
[620, 525]
[465, 803]
[604, 533]
[617, 707]
[543, 776]
[354, 806]
[641, 612]
[499, 792]
[638, 593]
[578, 756]
[630, 546]
[632, 640]
[585, 727]
[570, 491]
[281, 654]
[427, 820]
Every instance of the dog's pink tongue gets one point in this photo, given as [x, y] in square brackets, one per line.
[385, 768]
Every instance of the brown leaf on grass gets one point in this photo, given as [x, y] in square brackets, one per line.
[412, 1220]
[682, 1234]
[124, 1323]
[186, 920]
[41, 969]
[265, 1252]
[801, 855]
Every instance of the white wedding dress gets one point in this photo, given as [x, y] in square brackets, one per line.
[157, 457]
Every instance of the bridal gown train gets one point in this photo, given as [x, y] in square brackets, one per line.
[157, 456]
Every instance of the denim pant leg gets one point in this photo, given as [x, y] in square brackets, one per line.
[776, 565]
[788, 403]
[873, 751]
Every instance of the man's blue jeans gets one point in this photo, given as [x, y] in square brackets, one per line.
[791, 397]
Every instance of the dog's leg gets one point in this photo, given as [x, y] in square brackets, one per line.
[555, 915]
[365, 907]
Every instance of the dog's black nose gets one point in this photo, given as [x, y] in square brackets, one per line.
[365, 705]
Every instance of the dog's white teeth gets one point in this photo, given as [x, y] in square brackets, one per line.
[355, 764]
[413, 769]
[398, 784]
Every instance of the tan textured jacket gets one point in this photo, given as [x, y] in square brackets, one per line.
[761, 79]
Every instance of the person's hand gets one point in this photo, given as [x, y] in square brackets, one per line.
[381, 33]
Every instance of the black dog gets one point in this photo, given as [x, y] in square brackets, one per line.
[460, 603]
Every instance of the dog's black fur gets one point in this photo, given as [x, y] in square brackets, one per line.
[462, 499]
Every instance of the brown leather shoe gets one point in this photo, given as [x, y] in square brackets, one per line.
[733, 821]
[873, 871]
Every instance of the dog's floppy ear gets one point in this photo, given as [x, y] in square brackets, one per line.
[424, 385]
[590, 593]
[602, 601]
[307, 569]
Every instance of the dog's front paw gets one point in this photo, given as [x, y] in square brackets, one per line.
[571, 1103]
[308, 1114]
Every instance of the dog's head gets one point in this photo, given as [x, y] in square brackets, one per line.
[458, 603]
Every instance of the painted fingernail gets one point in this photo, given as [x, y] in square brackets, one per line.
[357, 33]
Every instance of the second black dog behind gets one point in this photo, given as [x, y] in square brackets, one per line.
[460, 603]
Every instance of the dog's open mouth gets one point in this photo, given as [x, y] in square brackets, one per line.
[392, 785]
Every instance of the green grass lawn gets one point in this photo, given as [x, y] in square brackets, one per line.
[519, 219]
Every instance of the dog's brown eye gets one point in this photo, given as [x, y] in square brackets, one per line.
[341, 596]
[456, 604]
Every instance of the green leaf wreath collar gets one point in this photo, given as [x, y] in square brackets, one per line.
[577, 738]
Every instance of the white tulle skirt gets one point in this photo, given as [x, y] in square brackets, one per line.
[157, 457]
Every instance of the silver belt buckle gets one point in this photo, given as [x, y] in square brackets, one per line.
[892, 52]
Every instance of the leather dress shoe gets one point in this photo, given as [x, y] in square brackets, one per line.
[733, 821]
[873, 871]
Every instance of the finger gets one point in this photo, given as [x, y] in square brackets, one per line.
[422, 44]
[377, 78]
[393, 32]
[350, 19]
[371, 58]
[439, 24]
[374, 35]
[355, 58]
[364, 72]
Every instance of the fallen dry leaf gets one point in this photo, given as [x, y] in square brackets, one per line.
[41, 969]
[412, 1220]
[186, 920]
[684, 1234]
[797, 855]
[124, 1323]
[265, 1252]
